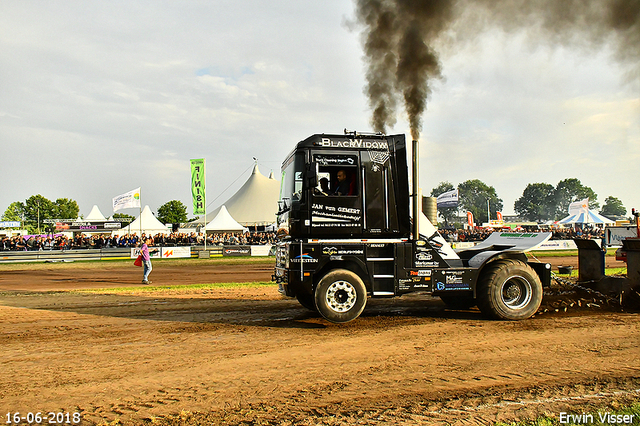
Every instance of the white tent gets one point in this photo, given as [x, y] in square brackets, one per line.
[585, 216]
[255, 203]
[145, 223]
[223, 222]
[95, 215]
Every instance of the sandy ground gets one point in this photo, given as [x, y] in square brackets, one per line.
[249, 356]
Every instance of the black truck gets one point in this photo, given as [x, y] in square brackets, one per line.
[349, 229]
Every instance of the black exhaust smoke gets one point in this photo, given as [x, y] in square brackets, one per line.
[401, 37]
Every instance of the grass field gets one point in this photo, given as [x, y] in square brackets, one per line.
[174, 289]
[629, 415]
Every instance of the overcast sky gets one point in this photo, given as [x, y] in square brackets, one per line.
[98, 98]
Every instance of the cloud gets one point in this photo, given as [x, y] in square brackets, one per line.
[99, 98]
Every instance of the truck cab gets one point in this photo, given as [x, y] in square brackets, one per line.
[341, 186]
[346, 233]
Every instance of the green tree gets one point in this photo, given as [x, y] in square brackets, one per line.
[36, 209]
[447, 213]
[66, 209]
[537, 202]
[173, 211]
[14, 212]
[613, 208]
[570, 190]
[473, 196]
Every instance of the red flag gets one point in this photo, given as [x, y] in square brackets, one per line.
[499, 215]
[470, 219]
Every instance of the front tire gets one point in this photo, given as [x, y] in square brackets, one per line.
[509, 289]
[340, 296]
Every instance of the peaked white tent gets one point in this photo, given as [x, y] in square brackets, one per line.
[255, 203]
[223, 222]
[145, 223]
[95, 215]
[579, 213]
[585, 216]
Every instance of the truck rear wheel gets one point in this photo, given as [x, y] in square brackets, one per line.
[509, 289]
[340, 296]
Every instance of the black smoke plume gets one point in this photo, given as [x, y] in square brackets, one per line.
[401, 39]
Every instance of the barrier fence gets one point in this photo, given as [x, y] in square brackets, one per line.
[131, 253]
[192, 251]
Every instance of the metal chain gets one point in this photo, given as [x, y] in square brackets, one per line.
[579, 287]
[586, 289]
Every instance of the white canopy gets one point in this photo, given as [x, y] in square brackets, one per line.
[145, 223]
[223, 222]
[95, 215]
[255, 203]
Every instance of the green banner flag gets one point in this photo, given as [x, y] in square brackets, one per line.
[197, 186]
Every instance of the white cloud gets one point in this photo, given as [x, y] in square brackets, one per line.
[99, 98]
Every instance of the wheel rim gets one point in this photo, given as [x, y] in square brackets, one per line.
[516, 292]
[341, 296]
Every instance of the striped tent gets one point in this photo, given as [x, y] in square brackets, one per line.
[585, 216]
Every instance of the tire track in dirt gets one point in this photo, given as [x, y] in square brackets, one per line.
[227, 356]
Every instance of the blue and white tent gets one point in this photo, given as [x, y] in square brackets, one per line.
[585, 216]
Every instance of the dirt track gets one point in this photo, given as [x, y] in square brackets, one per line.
[228, 356]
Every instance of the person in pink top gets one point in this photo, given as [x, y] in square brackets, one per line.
[146, 259]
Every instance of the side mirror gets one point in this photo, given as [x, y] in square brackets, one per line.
[311, 174]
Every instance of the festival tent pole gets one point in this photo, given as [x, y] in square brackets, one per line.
[140, 216]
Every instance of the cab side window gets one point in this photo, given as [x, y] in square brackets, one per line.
[337, 175]
[337, 181]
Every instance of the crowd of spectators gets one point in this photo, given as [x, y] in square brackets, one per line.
[99, 241]
[578, 233]
[480, 234]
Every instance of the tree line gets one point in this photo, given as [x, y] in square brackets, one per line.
[539, 202]
[35, 210]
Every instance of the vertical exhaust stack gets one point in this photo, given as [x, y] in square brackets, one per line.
[416, 190]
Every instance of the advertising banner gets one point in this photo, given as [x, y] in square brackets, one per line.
[261, 250]
[236, 251]
[615, 234]
[558, 245]
[83, 226]
[175, 252]
[448, 199]
[9, 224]
[198, 186]
[135, 251]
[127, 200]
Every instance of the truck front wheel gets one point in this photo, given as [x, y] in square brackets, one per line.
[509, 290]
[340, 296]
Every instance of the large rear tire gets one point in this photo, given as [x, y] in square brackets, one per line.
[509, 289]
[340, 296]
